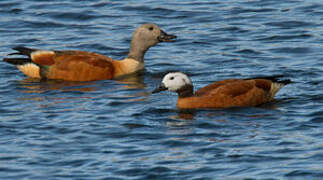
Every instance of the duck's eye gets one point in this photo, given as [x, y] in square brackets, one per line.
[151, 28]
[171, 78]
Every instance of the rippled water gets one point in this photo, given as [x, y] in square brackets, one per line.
[118, 130]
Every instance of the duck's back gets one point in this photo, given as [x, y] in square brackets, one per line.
[230, 93]
[79, 66]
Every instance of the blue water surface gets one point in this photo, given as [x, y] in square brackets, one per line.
[117, 130]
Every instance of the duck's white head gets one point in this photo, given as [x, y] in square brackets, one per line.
[176, 82]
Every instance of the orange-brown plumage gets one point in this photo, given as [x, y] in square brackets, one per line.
[80, 66]
[227, 93]
[221, 94]
[88, 66]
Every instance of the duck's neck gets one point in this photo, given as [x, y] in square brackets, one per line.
[127, 66]
[137, 51]
[186, 91]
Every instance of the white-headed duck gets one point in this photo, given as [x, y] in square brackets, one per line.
[221, 94]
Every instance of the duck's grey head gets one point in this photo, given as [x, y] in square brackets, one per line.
[146, 36]
[151, 34]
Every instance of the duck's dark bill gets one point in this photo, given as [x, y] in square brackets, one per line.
[160, 88]
[164, 37]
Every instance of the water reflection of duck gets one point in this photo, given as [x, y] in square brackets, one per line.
[34, 85]
[221, 94]
[36, 90]
[88, 66]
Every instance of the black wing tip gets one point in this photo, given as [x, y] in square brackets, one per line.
[285, 81]
[280, 79]
[275, 78]
[22, 50]
[17, 48]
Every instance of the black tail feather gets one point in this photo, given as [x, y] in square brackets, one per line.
[15, 53]
[20, 51]
[17, 61]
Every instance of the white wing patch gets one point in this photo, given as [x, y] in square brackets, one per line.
[275, 87]
[29, 69]
[40, 52]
